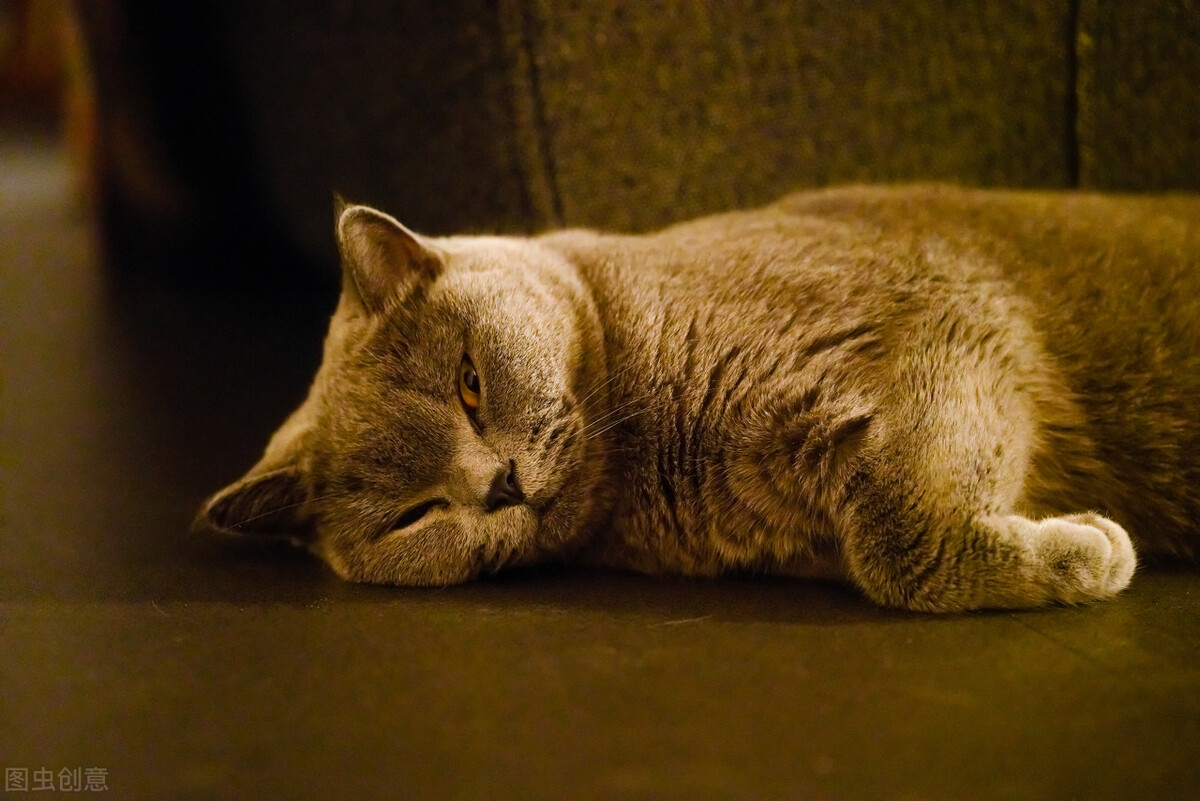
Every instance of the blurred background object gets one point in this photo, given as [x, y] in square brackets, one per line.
[31, 56]
[45, 86]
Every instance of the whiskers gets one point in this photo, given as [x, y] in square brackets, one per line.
[607, 422]
[617, 415]
[604, 383]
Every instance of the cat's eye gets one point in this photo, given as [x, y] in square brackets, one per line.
[413, 515]
[468, 384]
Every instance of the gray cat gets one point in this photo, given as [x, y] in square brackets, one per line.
[953, 399]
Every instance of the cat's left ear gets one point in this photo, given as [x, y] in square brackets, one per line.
[381, 259]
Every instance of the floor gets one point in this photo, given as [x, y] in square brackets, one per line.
[177, 666]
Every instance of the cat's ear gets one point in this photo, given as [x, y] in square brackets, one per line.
[270, 504]
[272, 500]
[381, 259]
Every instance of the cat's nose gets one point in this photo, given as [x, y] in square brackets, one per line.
[505, 489]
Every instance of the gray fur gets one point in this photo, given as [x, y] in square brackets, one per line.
[954, 399]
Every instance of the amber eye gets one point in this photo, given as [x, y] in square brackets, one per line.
[468, 384]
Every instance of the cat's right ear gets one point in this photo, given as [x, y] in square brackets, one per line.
[269, 504]
[382, 261]
[272, 500]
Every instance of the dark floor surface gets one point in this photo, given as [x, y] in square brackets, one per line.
[190, 668]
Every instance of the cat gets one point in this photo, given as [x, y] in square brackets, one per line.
[953, 399]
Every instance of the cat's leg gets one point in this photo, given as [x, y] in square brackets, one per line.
[931, 524]
[931, 562]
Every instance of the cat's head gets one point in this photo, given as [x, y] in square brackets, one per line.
[445, 434]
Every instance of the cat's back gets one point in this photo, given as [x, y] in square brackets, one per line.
[1112, 283]
[1114, 258]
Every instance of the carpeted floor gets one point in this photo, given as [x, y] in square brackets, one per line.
[178, 667]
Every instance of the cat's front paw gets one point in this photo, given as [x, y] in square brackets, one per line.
[1122, 560]
[1085, 557]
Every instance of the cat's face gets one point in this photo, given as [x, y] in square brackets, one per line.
[445, 434]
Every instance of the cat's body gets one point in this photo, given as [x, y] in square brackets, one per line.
[931, 392]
